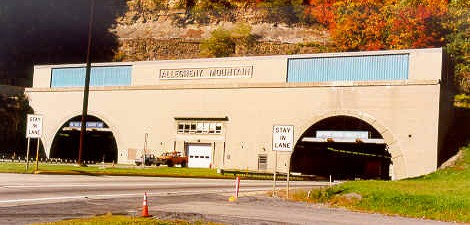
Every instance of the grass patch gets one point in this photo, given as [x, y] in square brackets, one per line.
[124, 220]
[8, 167]
[443, 195]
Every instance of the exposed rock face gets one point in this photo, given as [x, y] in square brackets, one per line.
[142, 49]
[166, 29]
[165, 37]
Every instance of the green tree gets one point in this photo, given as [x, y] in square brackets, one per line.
[205, 11]
[458, 42]
[288, 11]
[223, 42]
[13, 111]
[219, 44]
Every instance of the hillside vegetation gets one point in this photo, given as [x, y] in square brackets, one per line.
[321, 25]
[443, 195]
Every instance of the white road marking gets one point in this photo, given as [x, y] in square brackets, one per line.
[105, 196]
[102, 185]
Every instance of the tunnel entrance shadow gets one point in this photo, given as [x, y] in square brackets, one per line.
[100, 144]
[346, 161]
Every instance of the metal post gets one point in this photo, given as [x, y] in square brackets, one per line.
[274, 176]
[37, 155]
[87, 84]
[27, 154]
[237, 186]
[145, 149]
[288, 176]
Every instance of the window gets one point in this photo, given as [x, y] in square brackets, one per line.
[100, 76]
[180, 128]
[199, 127]
[211, 128]
[193, 128]
[205, 129]
[218, 128]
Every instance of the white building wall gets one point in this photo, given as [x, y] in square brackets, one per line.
[405, 112]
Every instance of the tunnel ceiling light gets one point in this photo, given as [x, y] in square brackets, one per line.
[87, 129]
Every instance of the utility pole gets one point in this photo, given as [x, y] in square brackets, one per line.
[87, 84]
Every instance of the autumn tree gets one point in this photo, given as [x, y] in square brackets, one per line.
[321, 10]
[358, 25]
[388, 24]
[417, 24]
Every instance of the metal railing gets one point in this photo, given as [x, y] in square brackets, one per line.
[45, 160]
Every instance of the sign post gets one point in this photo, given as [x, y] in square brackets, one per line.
[145, 149]
[27, 154]
[274, 175]
[283, 138]
[33, 130]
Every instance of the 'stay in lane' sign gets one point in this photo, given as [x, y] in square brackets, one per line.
[34, 126]
[283, 137]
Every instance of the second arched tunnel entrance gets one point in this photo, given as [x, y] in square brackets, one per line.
[344, 147]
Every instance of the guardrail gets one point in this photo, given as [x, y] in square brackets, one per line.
[269, 175]
[46, 160]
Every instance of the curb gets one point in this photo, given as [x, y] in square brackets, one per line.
[60, 172]
[74, 172]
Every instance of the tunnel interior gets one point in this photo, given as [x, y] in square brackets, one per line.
[342, 160]
[99, 142]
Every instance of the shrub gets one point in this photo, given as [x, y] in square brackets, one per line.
[220, 44]
[223, 42]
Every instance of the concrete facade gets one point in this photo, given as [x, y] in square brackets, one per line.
[406, 113]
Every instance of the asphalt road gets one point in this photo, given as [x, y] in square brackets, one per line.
[26, 199]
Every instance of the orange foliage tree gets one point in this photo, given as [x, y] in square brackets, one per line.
[321, 10]
[417, 24]
[382, 24]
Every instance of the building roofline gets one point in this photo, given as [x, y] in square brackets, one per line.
[244, 86]
[246, 58]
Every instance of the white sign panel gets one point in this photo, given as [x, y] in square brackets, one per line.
[283, 138]
[34, 126]
[203, 73]
[342, 134]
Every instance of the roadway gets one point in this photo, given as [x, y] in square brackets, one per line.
[26, 198]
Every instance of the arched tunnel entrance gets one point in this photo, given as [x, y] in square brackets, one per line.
[344, 147]
[99, 144]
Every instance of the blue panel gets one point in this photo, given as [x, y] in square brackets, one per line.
[99, 76]
[68, 77]
[349, 68]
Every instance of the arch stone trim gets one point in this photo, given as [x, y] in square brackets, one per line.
[398, 160]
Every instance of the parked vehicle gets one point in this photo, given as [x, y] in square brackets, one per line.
[172, 158]
[150, 159]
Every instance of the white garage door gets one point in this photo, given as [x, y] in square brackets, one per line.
[199, 155]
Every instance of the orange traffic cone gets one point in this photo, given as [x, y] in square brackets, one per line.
[145, 207]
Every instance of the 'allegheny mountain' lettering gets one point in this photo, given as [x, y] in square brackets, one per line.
[200, 73]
